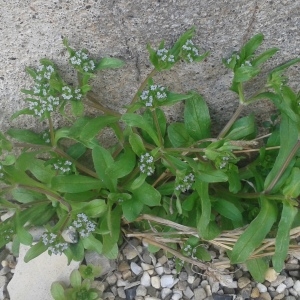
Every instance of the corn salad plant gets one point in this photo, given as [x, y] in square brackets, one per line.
[174, 185]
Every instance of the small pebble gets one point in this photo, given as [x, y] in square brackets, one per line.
[126, 274]
[112, 279]
[278, 280]
[188, 293]
[215, 287]
[296, 287]
[121, 293]
[265, 296]
[289, 282]
[191, 279]
[281, 287]
[145, 279]
[136, 269]
[159, 269]
[177, 295]
[271, 275]
[167, 281]
[165, 292]
[141, 291]
[155, 282]
[262, 288]
[243, 281]
[255, 293]
[200, 293]
[279, 296]
[123, 266]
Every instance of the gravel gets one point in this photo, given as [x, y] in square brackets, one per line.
[140, 275]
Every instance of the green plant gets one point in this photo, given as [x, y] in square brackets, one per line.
[80, 289]
[174, 185]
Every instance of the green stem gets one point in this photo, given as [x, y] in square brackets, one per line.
[51, 129]
[142, 87]
[49, 193]
[283, 168]
[231, 121]
[77, 164]
[93, 101]
[160, 139]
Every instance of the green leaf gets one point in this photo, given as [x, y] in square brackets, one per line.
[202, 189]
[242, 128]
[57, 291]
[212, 176]
[77, 108]
[285, 65]
[283, 235]
[134, 120]
[138, 181]
[76, 150]
[25, 196]
[93, 209]
[110, 249]
[75, 279]
[288, 140]
[75, 251]
[197, 118]
[147, 194]
[95, 125]
[260, 59]
[132, 209]
[35, 251]
[252, 237]
[102, 161]
[26, 135]
[258, 268]
[137, 144]
[179, 136]
[75, 183]
[249, 48]
[291, 188]
[230, 211]
[245, 73]
[123, 165]
[110, 63]
[202, 254]
[173, 98]
[93, 244]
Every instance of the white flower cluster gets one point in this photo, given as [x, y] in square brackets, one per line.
[154, 92]
[186, 183]
[44, 73]
[83, 225]
[189, 51]
[224, 163]
[147, 164]
[71, 94]
[7, 234]
[54, 246]
[165, 55]
[63, 166]
[189, 251]
[80, 59]
[1, 172]
[43, 105]
[41, 89]
[46, 137]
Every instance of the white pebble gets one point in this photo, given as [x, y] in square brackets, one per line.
[145, 279]
[141, 291]
[177, 295]
[281, 288]
[155, 282]
[165, 292]
[159, 269]
[297, 287]
[262, 288]
[191, 279]
[136, 269]
[188, 293]
[167, 281]
[146, 267]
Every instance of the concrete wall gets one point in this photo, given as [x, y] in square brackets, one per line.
[30, 30]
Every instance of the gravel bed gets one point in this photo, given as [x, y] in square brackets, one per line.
[140, 275]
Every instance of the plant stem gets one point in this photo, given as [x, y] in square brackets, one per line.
[231, 121]
[283, 168]
[77, 164]
[142, 86]
[49, 193]
[160, 139]
[92, 98]
[52, 138]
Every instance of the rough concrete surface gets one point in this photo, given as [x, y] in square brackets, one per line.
[30, 30]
